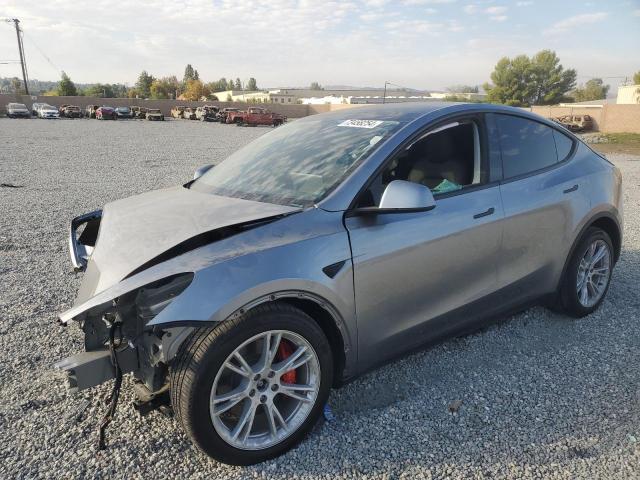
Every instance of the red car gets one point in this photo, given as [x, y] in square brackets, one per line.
[256, 116]
[106, 113]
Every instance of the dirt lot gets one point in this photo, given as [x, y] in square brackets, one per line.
[536, 396]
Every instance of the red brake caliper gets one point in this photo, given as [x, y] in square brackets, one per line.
[285, 349]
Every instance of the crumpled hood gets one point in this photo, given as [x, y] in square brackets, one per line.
[135, 230]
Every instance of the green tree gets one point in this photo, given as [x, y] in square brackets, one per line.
[315, 86]
[66, 88]
[143, 85]
[524, 81]
[636, 78]
[594, 89]
[99, 90]
[165, 87]
[230, 85]
[196, 75]
[463, 89]
[189, 73]
[252, 85]
[238, 85]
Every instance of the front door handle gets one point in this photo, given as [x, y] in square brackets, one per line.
[572, 189]
[490, 211]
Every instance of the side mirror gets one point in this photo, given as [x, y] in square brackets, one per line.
[401, 196]
[201, 171]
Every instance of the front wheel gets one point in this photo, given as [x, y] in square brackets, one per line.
[250, 388]
[588, 274]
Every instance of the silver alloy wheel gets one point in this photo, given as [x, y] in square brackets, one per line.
[593, 273]
[252, 406]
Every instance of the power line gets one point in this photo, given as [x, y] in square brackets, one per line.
[32, 41]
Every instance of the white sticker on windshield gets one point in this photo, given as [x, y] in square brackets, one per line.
[361, 123]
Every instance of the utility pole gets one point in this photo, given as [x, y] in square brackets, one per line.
[21, 51]
[384, 97]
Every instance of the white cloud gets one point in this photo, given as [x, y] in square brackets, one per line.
[576, 21]
[495, 10]
[524, 3]
[470, 9]
[499, 18]
[428, 2]
[636, 13]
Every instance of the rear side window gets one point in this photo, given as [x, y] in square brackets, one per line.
[563, 145]
[526, 145]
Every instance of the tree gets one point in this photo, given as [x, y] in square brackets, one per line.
[165, 87]
[524, 81]
[99, 90]
[189, 74]
[66, 88]
[143, 85]
[230, 85]
[195, 90]
[594, 89]
[16, 85]
[315, 86]
[252, 85]
[463, 89]
[636, 78]
[229, 97]
[196, 75]
[238, 85]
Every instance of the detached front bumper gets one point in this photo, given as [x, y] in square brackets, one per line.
[88, 369]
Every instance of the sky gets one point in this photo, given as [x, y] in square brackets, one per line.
[424, 44]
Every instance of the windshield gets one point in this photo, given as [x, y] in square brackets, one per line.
[297, 164]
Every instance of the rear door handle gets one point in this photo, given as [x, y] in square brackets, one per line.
[490, 211]
[572, 189]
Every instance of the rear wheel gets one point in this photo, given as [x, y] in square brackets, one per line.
[249, 389]
[588, 275]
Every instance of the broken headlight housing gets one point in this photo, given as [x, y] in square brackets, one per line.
[153, 298]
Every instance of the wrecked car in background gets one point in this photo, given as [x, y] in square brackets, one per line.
[177, 111]
[106, 113]
[70, 111]
[224, 113]
[240, 298]
[254, 116]
[189, 113]
[47, 111]
[17, 110]
[207, 113]
[155, 114]
[124, 112]
[90, 111]
[575, 123]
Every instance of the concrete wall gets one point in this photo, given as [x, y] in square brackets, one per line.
[291, 111]
[610, 118]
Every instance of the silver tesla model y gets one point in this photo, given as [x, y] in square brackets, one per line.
[326, 248]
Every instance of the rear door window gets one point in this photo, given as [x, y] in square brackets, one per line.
[564, 145]
[526, 145]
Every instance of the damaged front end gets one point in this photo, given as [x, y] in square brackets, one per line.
[117, 341]
[141, 350]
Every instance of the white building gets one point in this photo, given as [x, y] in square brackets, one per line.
[628, 94]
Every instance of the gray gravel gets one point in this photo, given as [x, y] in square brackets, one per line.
[536, 396]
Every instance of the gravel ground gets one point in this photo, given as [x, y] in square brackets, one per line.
[536, 396]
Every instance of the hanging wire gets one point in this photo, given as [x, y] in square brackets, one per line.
[32, 41]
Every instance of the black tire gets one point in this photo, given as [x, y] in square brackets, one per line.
[569, 302]
[200, 357]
